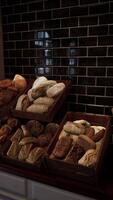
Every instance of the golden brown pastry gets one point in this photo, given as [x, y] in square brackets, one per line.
[85, 142]
[44, 100]
[19, 82]
[55, 90]
[90, 132]
[89, 159]
[25, 130]
[27, 140]
[62, 147]
[18, 135]
[35, 155]
[13, 150]
[24, 151]
[99, 135]
[41, 108]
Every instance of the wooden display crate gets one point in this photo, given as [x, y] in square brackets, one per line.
[52, 111]
[78, 172]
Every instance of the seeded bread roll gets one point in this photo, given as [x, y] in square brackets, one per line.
[85, 142]
[55, 90]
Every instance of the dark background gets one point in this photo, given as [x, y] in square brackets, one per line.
[80, 38]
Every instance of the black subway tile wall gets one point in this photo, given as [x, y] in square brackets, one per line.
[63, 39]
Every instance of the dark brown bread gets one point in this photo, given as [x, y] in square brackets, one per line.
[75, 153]
[62, 147]
[90, 132]
[99, 135]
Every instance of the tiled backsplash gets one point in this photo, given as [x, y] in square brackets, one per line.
[63, 39]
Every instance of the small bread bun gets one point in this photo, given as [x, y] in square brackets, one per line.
[22, 103]
[38, 81]
[44, 100]
[19, 82]
[41, 108]
[55, 89]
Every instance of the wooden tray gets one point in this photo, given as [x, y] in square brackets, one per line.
[48, 116]
[4, 146]
[78, 172]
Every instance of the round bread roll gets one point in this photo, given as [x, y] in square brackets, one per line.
[38, 81]
[19, 82]
[55, 89]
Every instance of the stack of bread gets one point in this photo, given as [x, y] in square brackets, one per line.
[26, 142]
[79, 143]
[41, 96]
[10, 88]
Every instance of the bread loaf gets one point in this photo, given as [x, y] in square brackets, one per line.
[41, 108]
[85, 142]
[22, 103]
[89, 159]
[44, 100]
[55, 90]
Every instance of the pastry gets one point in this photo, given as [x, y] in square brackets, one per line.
[55, 90]
[29, 94]
[5, 130]
[62, 147]
[35, 155]
[99, 135]
[25, 130]
[51, 128]
[22, 103]
[38, 81]
[82, 122]
[13, 150]
[41, 108]
[18, 135]
[24, 151]
[89, 159]
[44, 100]
[73, 128]
[41, 89]
[12, 122]
[19, 82]
[90, 132]
[27, 140]
[75, 153]
[85, 142]
[35, 127]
